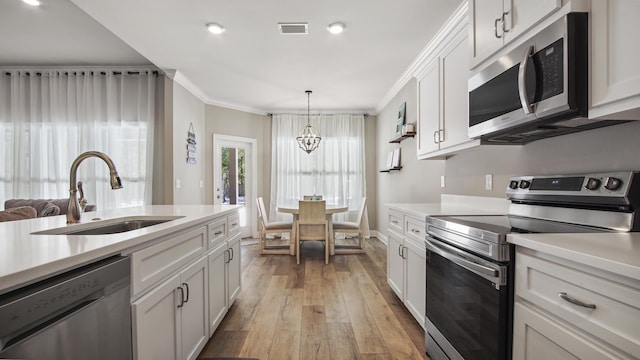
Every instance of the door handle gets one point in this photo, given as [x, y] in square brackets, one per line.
[228, 256]
[231, 256]
[504, 21]
[522, 81]
[495, 28]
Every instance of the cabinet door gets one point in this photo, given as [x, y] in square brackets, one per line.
[395, 265]
[235, 269]
[195, 309]
[537, 336]
[429, 109]
[455, 94]
[522, 15]
[486, 28]
[218, 306]
[156, 327]
[416, 289]
[615, 70]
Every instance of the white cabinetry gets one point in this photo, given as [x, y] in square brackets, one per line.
[170, 320]
[443, 101]
[494, 23]
[406, 262]
[566, 310]
[224, 273]
[182, 287]
[615, 90]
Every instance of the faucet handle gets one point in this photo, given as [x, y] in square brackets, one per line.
[82, 201]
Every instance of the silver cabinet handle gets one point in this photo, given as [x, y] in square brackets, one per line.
[435, 137]
[227, 256]
[394, 222]
[400, 250]
[231, 256]
[495, 28]
[563, 295]
[415, 231]
[504, 29]
[403, 252]
[217, 232]
[234, 224]
[522, 81]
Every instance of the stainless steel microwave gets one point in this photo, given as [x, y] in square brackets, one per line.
[538, 90]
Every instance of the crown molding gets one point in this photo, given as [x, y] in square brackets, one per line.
[454, 24]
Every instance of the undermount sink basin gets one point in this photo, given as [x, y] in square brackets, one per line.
[111, 226]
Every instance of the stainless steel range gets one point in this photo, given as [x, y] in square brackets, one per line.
[469, 297]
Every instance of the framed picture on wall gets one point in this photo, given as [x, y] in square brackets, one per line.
[401, 118]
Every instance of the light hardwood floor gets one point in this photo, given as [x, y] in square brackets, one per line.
[344, 310]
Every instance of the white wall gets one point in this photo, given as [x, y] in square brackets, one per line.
[417, 181]
[188, 109]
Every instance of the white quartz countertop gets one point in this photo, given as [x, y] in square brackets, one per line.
[455, 205]
[26, 257]
[618, 253]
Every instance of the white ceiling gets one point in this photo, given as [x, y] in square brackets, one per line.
[251, 66]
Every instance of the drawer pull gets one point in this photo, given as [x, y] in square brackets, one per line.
[415, 231]
[574, 301]
[217, 232]
[394, 222]
[234, 224]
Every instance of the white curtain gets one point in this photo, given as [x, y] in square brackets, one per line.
[50, 116]
[335, 170]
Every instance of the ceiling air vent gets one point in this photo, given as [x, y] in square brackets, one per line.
[293, 28]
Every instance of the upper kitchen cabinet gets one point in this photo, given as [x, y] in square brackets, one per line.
[615, 88]
[443, 101]
[494, 23]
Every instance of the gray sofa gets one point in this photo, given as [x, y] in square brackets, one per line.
[42, 207]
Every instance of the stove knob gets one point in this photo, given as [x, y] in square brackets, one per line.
[593, 184]
[524, 184]
[513, 184]
[612, 183]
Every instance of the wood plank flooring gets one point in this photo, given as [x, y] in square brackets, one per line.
[344, 310]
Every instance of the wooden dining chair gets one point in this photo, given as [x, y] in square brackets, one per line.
[312, 224]
[352, 227]
[265, 227]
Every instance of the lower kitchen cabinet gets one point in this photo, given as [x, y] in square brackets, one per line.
[566, 310]
[170, 321]
[406, 263]
[224, 279]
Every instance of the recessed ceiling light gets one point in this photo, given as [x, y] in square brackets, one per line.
[32, 2]
[336, 28]
[215, 28]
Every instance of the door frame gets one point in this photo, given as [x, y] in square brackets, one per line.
[251, 175]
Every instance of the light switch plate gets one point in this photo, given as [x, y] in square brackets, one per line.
[442, 181]
[488, 182]
[178, 184]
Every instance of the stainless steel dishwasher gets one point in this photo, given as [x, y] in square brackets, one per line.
[80, 314]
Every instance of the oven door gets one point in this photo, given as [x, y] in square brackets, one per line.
[469, 305]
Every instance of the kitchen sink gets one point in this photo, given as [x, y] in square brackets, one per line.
[111, 226]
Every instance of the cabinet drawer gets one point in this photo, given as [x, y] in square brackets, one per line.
[218, 232]
[234, 224]
[153, 264]
[617, 304]
[395, 221]
[414, 228]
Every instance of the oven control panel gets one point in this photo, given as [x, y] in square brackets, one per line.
[619, 187]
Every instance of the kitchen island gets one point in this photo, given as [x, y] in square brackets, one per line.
[185, 266]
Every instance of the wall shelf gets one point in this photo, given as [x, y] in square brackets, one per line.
[389, 170]
[402, 137]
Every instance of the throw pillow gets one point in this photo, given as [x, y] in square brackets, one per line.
[50, 209]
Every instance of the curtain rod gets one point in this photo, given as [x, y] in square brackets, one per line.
[82, 72]
[365, 114]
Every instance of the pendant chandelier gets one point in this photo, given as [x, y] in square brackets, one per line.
[309, 138]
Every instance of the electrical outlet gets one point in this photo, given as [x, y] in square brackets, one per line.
[178, 184]
[488, 182]
[442, 181]
[201, 184]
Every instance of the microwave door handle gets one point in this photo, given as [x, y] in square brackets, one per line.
[522, 81]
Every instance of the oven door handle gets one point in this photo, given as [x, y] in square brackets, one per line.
[488, 273]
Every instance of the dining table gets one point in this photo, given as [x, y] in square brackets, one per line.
[330, 210]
